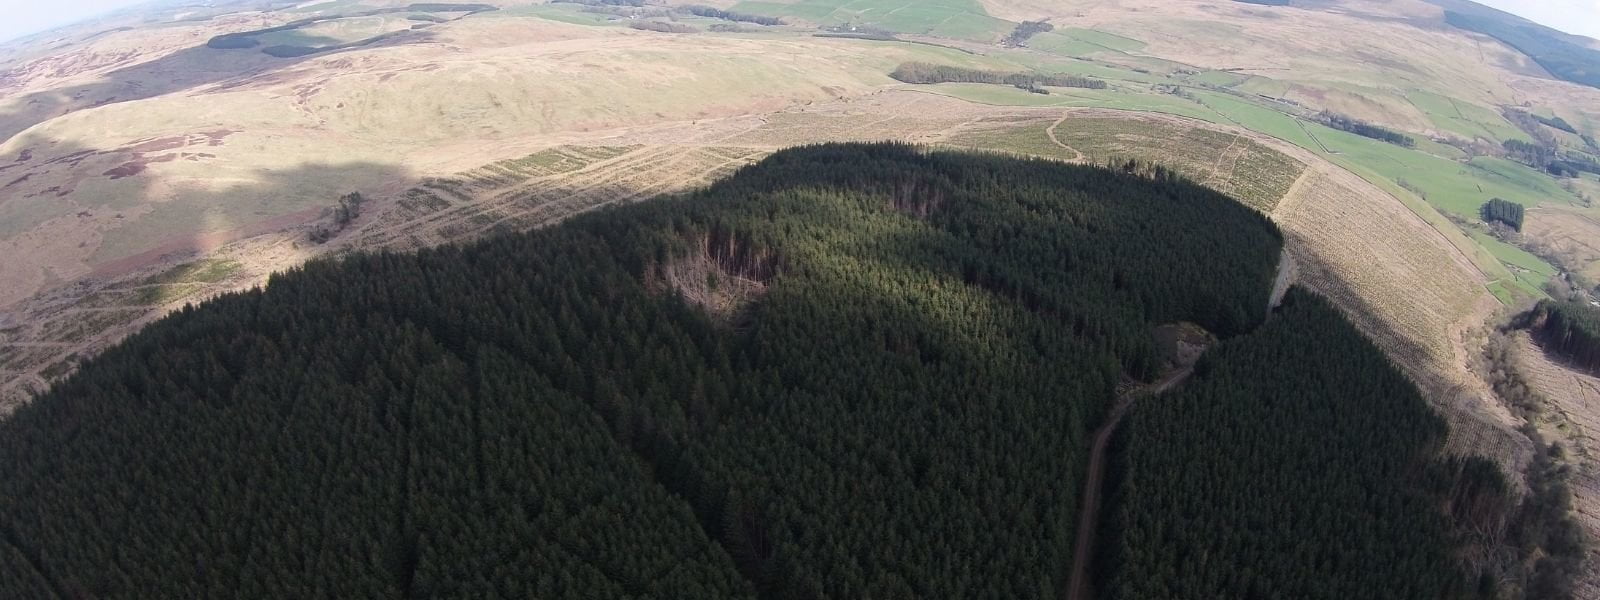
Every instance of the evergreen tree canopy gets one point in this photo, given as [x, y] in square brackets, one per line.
[849, 371]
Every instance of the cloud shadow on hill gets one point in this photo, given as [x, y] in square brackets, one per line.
[120, 210]
[188, 69]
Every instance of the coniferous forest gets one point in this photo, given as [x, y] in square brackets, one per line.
[849, 371]
[1296, 462]
[1570, 328]
[1503, 211]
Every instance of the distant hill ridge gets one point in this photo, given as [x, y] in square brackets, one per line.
[1569, 57]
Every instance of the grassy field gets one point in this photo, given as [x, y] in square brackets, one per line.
[959, 19]
[1528, 272]
[1117, 98]
[559, 12]
[200, 271]
[1074, 41]
[1464, 119]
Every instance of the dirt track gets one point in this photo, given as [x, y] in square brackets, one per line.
[1089, 513]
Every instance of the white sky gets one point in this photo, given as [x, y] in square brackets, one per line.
[22, 17]
[1572, 16]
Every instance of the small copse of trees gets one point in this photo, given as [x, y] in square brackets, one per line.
[717, 13]
[1365, 129]
[1032, 87]
[1535, 155]
[925, 73]
[1556, 122]
[1502, 211]
[1548, 157]
[663, 27]
[1025, 30]
[348, 209]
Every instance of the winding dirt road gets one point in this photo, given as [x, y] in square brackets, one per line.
[1089, 515]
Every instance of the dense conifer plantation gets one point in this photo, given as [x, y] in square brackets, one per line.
[1570, 328]
[1297, 462]
[850, 371]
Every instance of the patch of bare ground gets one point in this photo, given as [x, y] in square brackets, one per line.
[1573, 419]
[723, 275]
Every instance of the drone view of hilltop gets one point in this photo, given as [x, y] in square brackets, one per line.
[800, 299]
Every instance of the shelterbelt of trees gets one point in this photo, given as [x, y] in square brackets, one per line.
[926, 73]
[849, 371]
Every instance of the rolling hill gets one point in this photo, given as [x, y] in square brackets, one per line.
[629, 404]
[163, 156]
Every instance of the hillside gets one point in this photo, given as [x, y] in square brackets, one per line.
[172, 153]
[1572, 58]
[629, 404]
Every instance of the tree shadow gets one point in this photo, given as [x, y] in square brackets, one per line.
[200, 69]
[1474, 431]
[80, 314]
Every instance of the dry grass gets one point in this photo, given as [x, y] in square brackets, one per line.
[1574, 420]
[1573, 236]
[1228, 162]
[1409, 290]
[224, 141]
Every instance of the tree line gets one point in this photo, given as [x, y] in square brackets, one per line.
[717, 13]
[897, 409]
[925, 73]
[1547, 156]
[1555, 122]
[1365, 129]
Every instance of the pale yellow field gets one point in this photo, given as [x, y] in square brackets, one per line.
[231, 150]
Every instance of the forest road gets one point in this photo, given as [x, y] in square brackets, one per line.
[1089, 515]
